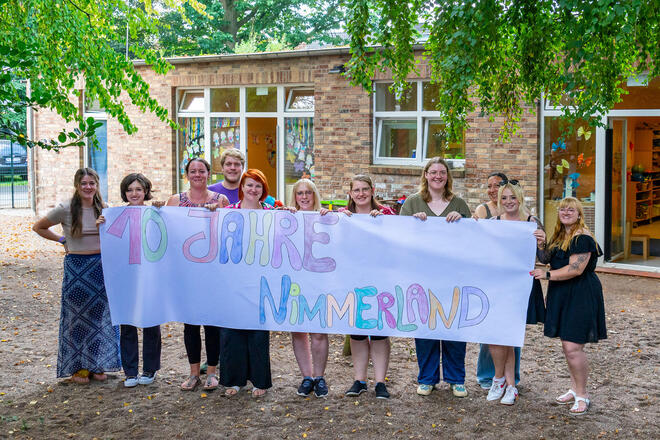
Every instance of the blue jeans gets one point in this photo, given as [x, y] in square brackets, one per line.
[486, 369]
[428, 360]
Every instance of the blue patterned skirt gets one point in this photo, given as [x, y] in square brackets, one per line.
[87, 338]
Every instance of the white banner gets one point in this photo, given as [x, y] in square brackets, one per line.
[273, 270]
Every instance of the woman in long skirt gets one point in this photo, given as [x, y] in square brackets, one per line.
[88, 343]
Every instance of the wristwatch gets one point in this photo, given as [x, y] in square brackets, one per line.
[547, 275]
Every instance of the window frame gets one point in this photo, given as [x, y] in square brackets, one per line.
[422, 117]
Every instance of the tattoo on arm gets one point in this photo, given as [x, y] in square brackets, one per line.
[575, 266]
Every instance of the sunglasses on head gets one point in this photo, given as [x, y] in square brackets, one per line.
[512, 182]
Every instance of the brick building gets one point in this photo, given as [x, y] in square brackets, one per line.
[294, 115]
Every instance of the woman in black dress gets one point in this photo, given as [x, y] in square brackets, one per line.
[575, 306]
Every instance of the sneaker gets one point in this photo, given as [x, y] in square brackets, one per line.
[131, 381]
[424, 389]
[496, 391]
[486, 385]
[510, 395]
[306, 386]
[320, 387]
[357, 389]
[381, 391]
[147, 378]
[458, 389]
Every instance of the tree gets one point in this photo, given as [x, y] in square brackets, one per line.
[231, 22]
[54, 44]
[497, 55]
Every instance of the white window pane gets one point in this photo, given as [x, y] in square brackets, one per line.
[398, 138]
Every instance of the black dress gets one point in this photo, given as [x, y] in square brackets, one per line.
[575, 307]
[244, 355]
[535, 305]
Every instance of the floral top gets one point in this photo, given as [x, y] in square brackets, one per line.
[184, 201]
[238, 205]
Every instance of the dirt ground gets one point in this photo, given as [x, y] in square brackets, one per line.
[624, 381]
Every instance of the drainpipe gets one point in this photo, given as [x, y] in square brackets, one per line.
[30, 134]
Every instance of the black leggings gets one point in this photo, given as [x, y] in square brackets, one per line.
[363, 337]
[193, 340]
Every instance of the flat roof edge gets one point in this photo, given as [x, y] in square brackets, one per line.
[231, 57]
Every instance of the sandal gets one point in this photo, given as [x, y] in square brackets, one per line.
[211, 382]
[258, 392]
[232, 391]
[80, 377]
[567, 398]
[575, 409]
[191, 383]
[101, 377]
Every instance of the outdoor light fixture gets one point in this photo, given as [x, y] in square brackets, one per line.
[337, 69]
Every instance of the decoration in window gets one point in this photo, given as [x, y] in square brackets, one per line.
[299, 159]
[191, 142]
[225, 133]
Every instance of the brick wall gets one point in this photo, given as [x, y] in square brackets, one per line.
[343, 135]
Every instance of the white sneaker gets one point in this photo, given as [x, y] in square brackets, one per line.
[130, 382]
[510, 395]
[496, 390]
[147, 378]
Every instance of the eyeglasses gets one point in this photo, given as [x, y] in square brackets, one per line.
[304, 193]
[361, 190]
[436, 173]
[512, 182]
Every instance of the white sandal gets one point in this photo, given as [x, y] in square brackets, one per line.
[563, 399]
[235, 388]
[574, 411]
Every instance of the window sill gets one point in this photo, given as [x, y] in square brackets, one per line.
[407, 170]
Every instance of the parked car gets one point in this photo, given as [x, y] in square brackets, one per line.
[13, 159]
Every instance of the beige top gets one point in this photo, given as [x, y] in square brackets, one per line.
[89, 240]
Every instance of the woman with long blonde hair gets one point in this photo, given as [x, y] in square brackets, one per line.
[506, 359]
[575, 307]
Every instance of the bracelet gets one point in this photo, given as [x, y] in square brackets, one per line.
[62, 239]
[547, 275]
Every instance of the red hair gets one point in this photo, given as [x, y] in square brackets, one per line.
[258, 176]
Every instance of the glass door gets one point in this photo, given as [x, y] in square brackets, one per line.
[615, 187]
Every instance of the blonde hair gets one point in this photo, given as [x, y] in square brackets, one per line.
[232, 152]
[424, 184]
[561, 238]
[516, 190]
[312, 186]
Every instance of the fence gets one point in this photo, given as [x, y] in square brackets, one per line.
[13, 175]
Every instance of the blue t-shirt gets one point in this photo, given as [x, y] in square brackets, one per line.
[232, 194]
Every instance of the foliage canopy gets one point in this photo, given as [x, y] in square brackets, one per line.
[497, 55]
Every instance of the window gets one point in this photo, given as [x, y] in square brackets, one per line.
[299, 99]
[191, 101]
[409, 130]
[398, 138]
[570, 168]
[225, 134]
[191, 145]
[97, 158]
[261, 99]
[225, 100]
